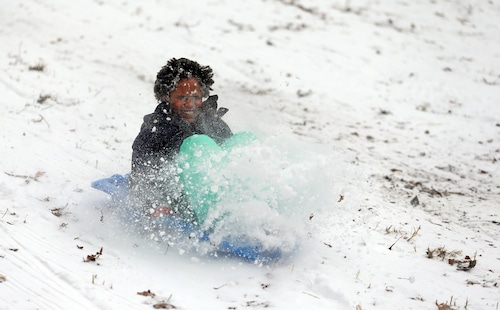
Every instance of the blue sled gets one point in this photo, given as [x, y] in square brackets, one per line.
[116, 186]
[243, 247]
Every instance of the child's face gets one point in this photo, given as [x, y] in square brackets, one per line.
[186, 99]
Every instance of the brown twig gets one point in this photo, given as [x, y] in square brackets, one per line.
[390, 248]
[415, 232]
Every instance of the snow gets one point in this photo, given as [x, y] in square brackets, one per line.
[375, 103]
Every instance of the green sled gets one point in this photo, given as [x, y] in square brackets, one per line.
[200, 160]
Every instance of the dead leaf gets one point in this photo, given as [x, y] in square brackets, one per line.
[147, 293]
[93, 257]
[57, 211]
[414, 202]
[38, 174]
[163, 305]
[443, 306]
[466, 265]
[471, 282]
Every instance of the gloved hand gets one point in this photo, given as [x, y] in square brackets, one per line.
[209, 107]
[210, 116]
[210, 104]
[209, 121]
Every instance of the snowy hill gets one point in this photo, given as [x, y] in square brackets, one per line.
[388, 111]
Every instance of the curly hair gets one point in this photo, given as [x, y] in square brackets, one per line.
[175, 70]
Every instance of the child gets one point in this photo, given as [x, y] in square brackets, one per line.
[180, 88]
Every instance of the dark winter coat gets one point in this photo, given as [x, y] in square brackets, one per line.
[153, 180]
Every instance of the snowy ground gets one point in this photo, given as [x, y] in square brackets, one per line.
[394, 104]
